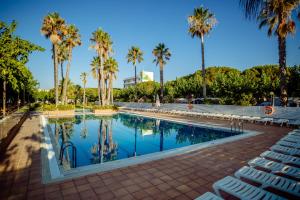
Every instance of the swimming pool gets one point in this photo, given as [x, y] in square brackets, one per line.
[98, 140]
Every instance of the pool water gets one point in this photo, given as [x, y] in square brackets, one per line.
[99, 139]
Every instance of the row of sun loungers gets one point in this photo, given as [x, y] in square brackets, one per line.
[277, 168]
[195, 113]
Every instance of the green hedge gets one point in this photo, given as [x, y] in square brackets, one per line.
[113, 107]
[52, 107]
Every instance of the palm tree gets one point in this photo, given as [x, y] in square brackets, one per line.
[161, 54]
[134, 55]
[54, 28]
[72, 40]
[95, 64]
[62, 56]
[200, 24]
[103, 45]
[276, 14]
[111, 67]
[83, 77]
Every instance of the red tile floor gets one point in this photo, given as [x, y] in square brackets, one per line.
[180, 177]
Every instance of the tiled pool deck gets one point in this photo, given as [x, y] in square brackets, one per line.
[180, 177]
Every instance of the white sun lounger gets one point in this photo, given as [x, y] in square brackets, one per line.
[209, 196]
[287, 159]
[281, 121]
[286, 150]
[242, 190]
[266, 120]
[269, 180]
[291, 138]
[275, 167]
[295, 134]
[295, 122]
[289, 144]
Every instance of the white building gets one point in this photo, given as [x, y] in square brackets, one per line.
[143, 76]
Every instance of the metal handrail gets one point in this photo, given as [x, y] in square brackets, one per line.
[74, 153]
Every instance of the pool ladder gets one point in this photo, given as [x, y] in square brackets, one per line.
[64, 146]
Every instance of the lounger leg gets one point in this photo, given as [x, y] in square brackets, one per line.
[217, 190]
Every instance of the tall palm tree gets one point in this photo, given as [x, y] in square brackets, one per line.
[200, 24]
[54, 28]
[83, 77]
[62, 56]
[102, 43]
[111, 67]
[95, 64]
[277, 15]
[134, 55]
[72, 40]
[161, 54]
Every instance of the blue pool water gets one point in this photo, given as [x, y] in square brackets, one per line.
[101, 139]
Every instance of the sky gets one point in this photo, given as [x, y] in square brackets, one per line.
[234, 41]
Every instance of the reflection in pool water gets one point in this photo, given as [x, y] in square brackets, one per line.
[100, 139]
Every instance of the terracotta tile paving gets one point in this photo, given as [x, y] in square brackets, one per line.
[180, 177]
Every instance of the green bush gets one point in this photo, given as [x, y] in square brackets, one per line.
[97, 107]
[52, 107]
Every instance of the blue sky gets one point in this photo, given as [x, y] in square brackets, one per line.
[234, 41]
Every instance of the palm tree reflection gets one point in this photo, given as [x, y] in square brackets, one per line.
[105, 149]
[84, 130]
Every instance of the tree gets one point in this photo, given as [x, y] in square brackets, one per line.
[103, 45]
[200, 24]
[83, 77]
[95, 64]
[72, 39]
[111, 67]
[134, 55]
[62, 56]
[54, 28]
[276, 14]
[14, 54]
[161, 54]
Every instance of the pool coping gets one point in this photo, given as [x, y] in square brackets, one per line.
[51, 171]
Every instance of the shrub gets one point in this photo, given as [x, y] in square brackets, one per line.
[52, 107]
[97, 107]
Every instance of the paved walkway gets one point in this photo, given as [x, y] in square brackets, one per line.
[181, 177]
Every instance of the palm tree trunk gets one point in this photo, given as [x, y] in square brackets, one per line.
[18, 100]
[54, 48]
[203, 67]
[109, 90]
[99, 87]
[4, 98]
[84, 94]
[65, 87]
[283, 70]
[112, 96]
[24, 96]
[102, 79]
[105, 91]
[134, 74]
[161, 73]
[62, 76]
